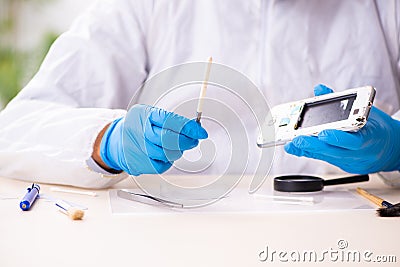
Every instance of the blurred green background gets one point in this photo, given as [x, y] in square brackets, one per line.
[17, 66]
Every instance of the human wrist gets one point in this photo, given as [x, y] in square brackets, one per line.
[395, 144]
[388, 144]
[99, 148]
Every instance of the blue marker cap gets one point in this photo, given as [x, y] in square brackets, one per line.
[30, 197]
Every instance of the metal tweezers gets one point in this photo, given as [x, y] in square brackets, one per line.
[146, 199]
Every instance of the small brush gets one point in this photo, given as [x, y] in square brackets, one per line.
[386, 209]
[72, 212]
[203, 90]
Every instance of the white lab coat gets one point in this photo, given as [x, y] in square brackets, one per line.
[284, 47]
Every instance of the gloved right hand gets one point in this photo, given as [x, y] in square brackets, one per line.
[374, 148]
[148, 140]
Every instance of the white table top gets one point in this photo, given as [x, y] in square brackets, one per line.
[45, 237]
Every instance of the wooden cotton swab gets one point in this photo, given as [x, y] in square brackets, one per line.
[79, 192]
[203, 90]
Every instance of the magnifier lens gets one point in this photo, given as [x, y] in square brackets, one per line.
[296, 183]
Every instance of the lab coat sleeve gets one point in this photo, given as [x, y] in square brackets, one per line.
[86, 81]
[392, 178]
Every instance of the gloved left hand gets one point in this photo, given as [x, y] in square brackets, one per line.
[374, 148]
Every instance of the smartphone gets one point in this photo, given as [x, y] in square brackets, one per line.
[347, 111]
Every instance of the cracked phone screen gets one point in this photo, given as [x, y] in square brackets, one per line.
[326, 111]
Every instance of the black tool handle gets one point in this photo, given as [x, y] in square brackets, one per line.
[347, 180]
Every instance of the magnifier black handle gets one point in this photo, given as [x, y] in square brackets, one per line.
[347, 180]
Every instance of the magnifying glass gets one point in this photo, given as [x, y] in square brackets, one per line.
[305, 183]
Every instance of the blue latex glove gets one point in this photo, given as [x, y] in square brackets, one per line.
[148, 140]
[374, 148]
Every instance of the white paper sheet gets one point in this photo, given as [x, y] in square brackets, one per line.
[240, 201]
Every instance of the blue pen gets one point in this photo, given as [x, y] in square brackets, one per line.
[30, 197]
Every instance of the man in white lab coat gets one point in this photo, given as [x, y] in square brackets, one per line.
[285, 47]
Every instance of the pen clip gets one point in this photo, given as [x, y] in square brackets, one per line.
[34, 186]
[30, 188]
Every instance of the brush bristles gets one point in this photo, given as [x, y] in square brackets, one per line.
[393, 211]
[75, 214]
